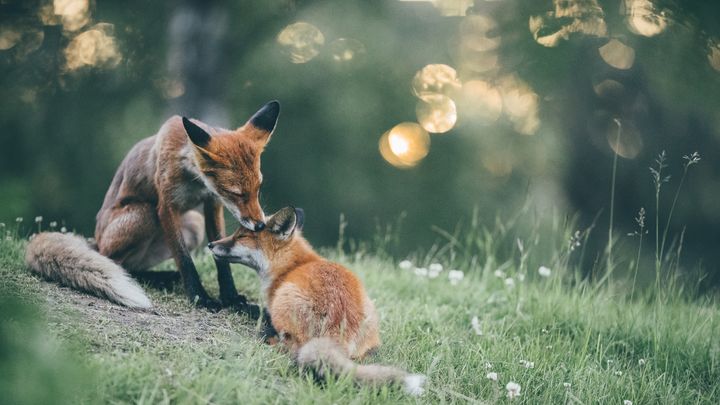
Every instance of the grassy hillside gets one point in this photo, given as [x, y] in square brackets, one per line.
[562, 340]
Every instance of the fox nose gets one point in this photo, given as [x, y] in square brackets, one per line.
[211, 245]
[259, 226]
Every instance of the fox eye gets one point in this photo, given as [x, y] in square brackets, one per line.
[242, 196]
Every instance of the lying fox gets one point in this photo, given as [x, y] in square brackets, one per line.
[319, 309]
[148, 215]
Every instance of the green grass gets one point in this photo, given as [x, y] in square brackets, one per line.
[589, 335]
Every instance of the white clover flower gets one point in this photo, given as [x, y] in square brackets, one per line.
[488, 366]
[421, 271]
[544, 331]
[527, 364]
[18, 219]
[627, 402]
[567, 385]
[641, 362]
[544, 271]
[455, 276]
[618, 373]
[437, 267]
[405, 265]
[510, 282]
[475, 322]
[499, 274]
[38, 219]
[63, 229]
[53, 224]
[513, 389]
[492, 376]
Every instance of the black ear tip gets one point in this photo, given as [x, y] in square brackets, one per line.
[267, 116]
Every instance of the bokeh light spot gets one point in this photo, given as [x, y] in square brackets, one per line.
[8, 38]
[643, 19]
[480, 102]
[74, 14]
[301, 41]
[714, 54]
[346, 49]
[433, 80]
[617, 54]
[436, 115]
[405, 145]
[629, 143]
[95, 47]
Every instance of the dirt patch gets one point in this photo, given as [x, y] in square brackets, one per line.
[171, 321]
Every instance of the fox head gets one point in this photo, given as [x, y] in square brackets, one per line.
[229, 163]
[258, 250]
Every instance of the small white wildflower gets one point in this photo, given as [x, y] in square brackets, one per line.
[492, 376]
[488, 366]
[421, 271]
[63, 229]
[521, 277]
[435, 267]
[544, 271]
[548, 347]
[499, 274]
[38, 219]
[641, 362]
[567, 385]
[2, 224]
[405, 265]
[455, 276]
[627, 402]
[475, 322]
[18, 219]
[527, 364]
[433, 273]
[510, 282]
[544, 331]
[32, 236]
[513, 389]
[53, 224]
[618, 373]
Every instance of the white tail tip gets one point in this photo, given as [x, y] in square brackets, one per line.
[127, 292]
[414, 384]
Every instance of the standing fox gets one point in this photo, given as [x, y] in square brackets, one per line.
[148, 215]
[319, 309]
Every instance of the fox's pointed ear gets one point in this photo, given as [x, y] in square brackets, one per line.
[197, 135]
[300, 218]
[283, 223]
[263, 121]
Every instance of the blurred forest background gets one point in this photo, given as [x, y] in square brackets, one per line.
[428, 108]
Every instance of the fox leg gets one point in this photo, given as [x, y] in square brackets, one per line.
[229, 297]
[171, 223]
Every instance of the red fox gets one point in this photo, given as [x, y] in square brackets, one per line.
[319, 309]
[148, 214]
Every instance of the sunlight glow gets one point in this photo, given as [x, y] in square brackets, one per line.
[436, 115]
[521, 105]
[480, 102]
[95, 47]
[617, 54]
[346, 49]
[477, 45]
[405, 145]
[433, 80]
[644, 19]
[301, 41]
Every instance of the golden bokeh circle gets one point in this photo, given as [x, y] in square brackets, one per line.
[301, 41]
[435, 79]
[436, 114]
[405, 145]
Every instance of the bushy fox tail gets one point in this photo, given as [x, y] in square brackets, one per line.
[325, 354]
[69, 260]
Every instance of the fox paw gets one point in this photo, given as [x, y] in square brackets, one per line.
[207, 303]
[239, 304]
